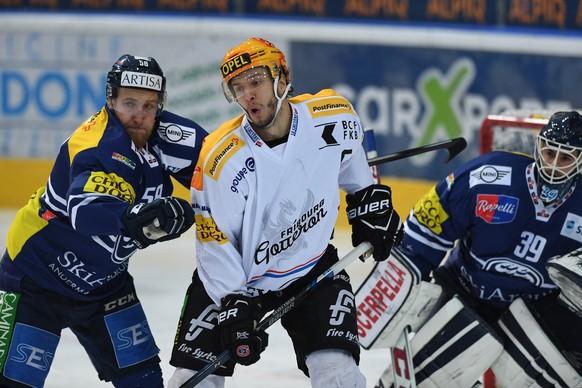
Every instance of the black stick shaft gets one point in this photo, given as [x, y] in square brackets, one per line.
[453, 146]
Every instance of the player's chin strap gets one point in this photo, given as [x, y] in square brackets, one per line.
[279, 101]
[530, 357]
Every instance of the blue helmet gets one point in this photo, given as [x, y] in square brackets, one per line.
[558, 154]
[131, 71]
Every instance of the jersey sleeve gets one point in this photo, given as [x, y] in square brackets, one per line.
[180, 144]
[218, 216]
[94, 177]
[437, 220]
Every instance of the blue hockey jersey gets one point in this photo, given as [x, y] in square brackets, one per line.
[69, 237]
[500, 235]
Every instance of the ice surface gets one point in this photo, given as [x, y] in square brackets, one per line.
[162, 272]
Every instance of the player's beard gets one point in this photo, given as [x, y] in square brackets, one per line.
[271, 111]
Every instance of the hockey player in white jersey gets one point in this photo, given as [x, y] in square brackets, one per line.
[266, 194]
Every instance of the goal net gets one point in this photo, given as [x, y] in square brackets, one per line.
[512, 130]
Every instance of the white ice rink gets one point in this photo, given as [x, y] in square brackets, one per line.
[162, 272]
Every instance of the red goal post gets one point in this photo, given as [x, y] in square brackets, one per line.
[513, 130]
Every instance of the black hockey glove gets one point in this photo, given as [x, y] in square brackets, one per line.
[373, 219]
[238, 319]
[161, 220]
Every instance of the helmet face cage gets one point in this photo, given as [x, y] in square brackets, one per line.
[558, 150]
[556, 162]
[252, 53]
[137, 72]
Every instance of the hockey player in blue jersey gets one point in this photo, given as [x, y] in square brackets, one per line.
[109, 194]
[501, 217]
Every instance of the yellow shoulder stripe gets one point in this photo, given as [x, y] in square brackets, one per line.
[208, 145]
[88, 134]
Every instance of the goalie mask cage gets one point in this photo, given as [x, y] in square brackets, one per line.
[513, 130]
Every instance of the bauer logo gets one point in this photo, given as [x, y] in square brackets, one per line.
[490, 175]
[132, 79]
[572, 227]
[428, 211]
[110, 184]
[208, 231]
[235, 64]
[329, 106]
[224, 151]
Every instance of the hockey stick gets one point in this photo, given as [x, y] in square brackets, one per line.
[364, 250]
[402, 366]
[453, 146]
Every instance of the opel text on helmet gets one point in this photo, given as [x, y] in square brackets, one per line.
[131, 71]
[254, 52]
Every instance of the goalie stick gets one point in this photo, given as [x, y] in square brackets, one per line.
[363, 250]
[453, 146]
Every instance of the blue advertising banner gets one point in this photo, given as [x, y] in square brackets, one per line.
[546, 14]
[416, 96]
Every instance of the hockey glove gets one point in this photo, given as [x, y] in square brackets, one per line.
[161, 220]
[238, 319]
[373, 219]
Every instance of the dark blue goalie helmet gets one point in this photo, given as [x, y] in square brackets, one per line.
[131, 71]
[558, 154]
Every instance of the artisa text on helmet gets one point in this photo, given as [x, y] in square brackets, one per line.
[132, 79]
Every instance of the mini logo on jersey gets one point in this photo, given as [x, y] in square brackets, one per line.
[572, 227]
[131, 79]
[490, 174]
[225, 150]
[329, 106]
[123, 159]
[429, 211]
[208, 231]
[174, 133]
[496, 209]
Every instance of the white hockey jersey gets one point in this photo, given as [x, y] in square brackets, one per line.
[263, 218]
